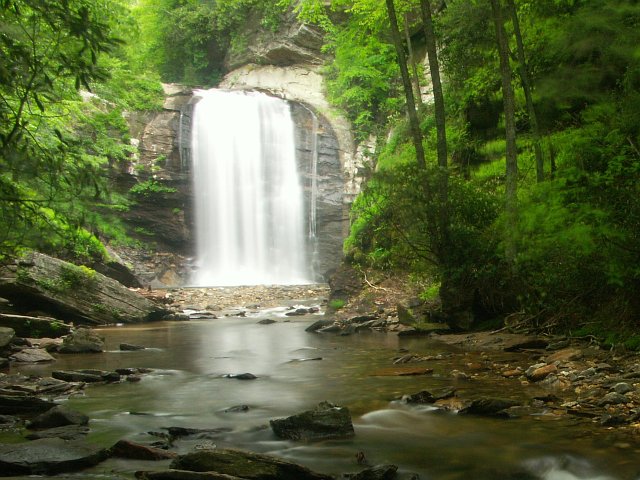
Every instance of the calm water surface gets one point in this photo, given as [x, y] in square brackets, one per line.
[188, 389]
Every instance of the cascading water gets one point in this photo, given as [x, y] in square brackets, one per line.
[249, 203]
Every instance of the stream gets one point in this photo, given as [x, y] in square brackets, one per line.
[296, 370]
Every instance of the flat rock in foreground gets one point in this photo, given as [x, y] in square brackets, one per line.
[77, 294]
[243, 464]
[325, 421]
[184, 475]
[48, 457]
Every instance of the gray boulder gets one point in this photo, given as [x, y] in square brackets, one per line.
[6, 335]
[82, 340]
[135, 451]
[246, 465]
[32, 355]
[319, 324]
[48, 456]
[58, 416]
[325, 421]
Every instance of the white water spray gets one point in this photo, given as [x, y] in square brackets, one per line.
[248, 198]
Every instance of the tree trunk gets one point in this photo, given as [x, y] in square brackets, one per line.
[412, 60]
[441, 131]
[508, 99]
[526, 86]
[414, 124]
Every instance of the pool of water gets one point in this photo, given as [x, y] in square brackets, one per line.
[296, 370]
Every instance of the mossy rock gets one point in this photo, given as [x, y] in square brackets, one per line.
[325, 421]
[243, 464]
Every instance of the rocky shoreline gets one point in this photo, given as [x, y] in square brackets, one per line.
[556, 377]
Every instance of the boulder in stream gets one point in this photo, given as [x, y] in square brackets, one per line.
[135, 451]
[240, 376]
[32, 355]
[58, 416]
[319, 324]
[128, 347]
[48, 456]
[325, 421]
[246, 465]
[266, 321]
[82, 340]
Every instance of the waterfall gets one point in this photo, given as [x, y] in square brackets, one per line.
[313, 204]
[248, 197]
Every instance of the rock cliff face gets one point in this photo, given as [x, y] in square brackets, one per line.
[285, 63]
[292, 43]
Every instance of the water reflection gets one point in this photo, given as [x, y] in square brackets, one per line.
[188, 389]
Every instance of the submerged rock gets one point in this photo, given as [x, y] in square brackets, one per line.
[237, 409]
[198, 433]
[86, 376]
[490, 407]
[325, 421]
[127, 347]
[246, 465]
[48, 456]
[266, 321]
[67, 432]
[240, 376]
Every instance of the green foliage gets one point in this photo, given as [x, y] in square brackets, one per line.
[73, 275]
[56, 145]
[337, 304]
[150, 188]
[431, 293]
[186, 40]
[128, 89]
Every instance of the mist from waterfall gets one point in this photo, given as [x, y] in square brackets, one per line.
[249, 206]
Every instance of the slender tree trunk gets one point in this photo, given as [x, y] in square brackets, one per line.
[508, 99]
[526, 86]
[440, 114]
[414, 124]
[415, 78]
